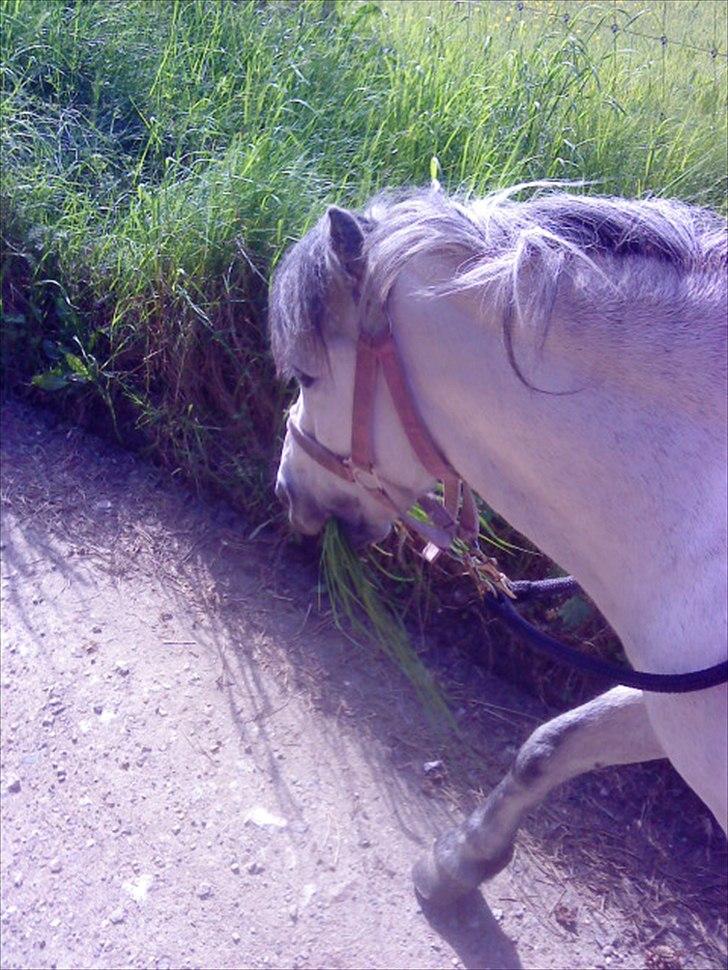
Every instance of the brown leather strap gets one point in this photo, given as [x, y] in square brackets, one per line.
[373, 352]
[365, 378]
[330, 461]
[417, 434]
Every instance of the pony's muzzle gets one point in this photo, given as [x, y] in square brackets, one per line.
[363, 534]
[304, 515]
[308, 517]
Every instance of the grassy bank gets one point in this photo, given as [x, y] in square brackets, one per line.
[159, 155]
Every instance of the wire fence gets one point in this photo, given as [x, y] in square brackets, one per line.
[625, 19]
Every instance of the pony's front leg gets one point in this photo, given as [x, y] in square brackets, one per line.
[612, 729]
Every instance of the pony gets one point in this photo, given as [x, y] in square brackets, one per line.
[566, 355]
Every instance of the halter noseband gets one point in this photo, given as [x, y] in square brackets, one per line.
[457, 516]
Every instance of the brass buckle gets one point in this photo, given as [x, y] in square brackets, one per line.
[366, 477]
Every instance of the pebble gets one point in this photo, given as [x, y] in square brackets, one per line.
[122, 668]
[261, 817]
[236, 938]
[118, 916]
[55, 865]
[138, 888]
[204, 890]
[234, 867]
[9, 912]
[431, 766]
[14, 786]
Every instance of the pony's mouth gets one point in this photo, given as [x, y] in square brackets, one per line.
[308, 518]
[358, 534]
[363, 534]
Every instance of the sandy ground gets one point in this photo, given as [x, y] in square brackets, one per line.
[198, 771]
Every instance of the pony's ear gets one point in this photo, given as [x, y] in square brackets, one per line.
[347, 240]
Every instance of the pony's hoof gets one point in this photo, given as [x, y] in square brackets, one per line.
[435, 887]
[440, 888]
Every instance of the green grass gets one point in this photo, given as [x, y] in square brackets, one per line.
[361, 600]
[159, 156]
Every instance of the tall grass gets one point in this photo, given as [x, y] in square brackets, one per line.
[159, 155]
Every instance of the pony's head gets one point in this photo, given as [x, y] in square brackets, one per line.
[318, 309]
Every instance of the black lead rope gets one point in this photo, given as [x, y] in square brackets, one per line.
[657, 683]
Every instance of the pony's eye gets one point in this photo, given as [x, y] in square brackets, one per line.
[305, 380]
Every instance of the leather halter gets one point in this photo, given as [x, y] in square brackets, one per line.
[457, 516]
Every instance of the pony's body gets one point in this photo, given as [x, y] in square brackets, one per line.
[568, 355]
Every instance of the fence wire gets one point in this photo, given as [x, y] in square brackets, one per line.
[618, 19]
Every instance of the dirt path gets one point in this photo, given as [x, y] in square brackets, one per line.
[198, 772]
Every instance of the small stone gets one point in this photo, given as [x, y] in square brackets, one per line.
[98, 708]
[236, 938]
[138, 888]
[255, 868]
[204, 890]
[429, 767]
[122, 668]
[497, 914]
[118, 916]
[55, 865]
[261, 817]
[235, 867]
[14, 786]
[18, 879]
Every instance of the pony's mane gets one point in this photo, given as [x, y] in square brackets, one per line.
[497, 241]
[494, 237]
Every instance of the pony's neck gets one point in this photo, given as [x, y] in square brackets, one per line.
[601, 480]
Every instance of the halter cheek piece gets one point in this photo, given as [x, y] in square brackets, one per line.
[457, 516]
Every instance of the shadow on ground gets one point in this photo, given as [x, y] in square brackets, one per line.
[629, 836]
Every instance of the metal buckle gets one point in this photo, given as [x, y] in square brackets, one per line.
[361, 474]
